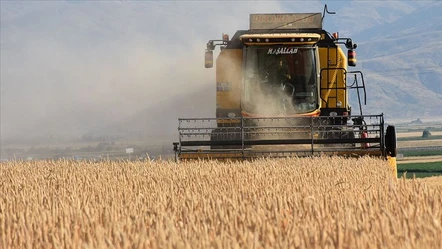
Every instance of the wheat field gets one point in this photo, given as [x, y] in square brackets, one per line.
[287, 203]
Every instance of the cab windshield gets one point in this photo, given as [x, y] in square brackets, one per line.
[280, 80]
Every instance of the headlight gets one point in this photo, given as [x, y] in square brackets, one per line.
[231, 114]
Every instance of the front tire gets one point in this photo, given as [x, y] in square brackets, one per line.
[390, 141]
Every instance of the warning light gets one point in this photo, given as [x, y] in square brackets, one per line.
[225, 37]
[336, 35]
[351, 58]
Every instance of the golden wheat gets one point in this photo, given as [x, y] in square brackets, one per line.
[288, 203]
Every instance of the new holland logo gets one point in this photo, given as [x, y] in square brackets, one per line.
[283, 50]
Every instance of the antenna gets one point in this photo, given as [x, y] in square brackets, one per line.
[326, 11]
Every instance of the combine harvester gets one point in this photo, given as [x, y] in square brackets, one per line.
[281, 91]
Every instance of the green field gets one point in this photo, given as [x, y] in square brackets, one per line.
[420, 169]
[410, 153]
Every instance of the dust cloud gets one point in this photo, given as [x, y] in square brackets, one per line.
[70, 68]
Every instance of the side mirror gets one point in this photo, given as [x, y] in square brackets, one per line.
[351, 58]
[208, 59]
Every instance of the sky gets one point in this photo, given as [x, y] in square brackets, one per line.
[67, 67]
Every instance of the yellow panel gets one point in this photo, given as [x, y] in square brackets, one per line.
[333, 58]
[393, 165]
[228, 72]
[202, 155]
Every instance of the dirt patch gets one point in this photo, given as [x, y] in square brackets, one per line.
[419, 143]
[420, 159]
[417, 134]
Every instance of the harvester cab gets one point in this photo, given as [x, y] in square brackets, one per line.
[282, 89]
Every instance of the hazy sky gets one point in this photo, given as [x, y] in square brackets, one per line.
[76, 63]
[89, 62]
[70, 66]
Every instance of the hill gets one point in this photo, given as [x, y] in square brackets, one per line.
[403, 64]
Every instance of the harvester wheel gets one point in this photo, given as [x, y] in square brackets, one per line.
[390, 141]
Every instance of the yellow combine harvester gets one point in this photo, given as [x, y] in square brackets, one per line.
[282, 90]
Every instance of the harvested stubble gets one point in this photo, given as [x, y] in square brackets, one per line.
[289, 203]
